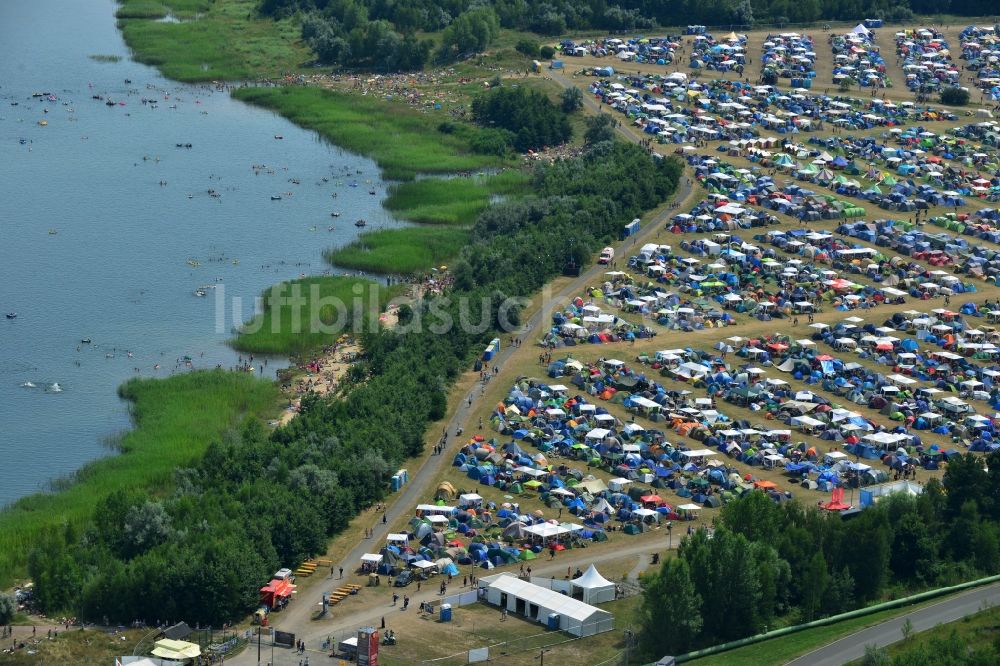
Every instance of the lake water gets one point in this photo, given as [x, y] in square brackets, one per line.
[92, 245]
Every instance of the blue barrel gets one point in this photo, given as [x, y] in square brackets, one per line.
[446, 612]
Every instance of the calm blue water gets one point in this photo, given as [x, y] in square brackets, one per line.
[93, 246]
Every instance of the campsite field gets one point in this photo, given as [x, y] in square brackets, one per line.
[175, 420]
[406, 142]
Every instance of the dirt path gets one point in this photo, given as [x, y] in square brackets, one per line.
[297, 618]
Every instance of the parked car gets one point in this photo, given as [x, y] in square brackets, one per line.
[403, 579]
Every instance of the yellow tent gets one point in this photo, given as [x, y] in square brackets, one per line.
[176, 650]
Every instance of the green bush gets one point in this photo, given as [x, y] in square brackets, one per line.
[547, 52]
[492, 142]
[955, 96]
[528, 47]
[7, 608]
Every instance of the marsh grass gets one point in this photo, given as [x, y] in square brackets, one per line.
[304, 315]
[403, 141]
[451, 200]
[175, 419]
[400, 251]
[221, 40]
[100, 57]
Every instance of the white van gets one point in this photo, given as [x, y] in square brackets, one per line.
[607, 255]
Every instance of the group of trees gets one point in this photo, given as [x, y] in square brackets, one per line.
[345, 35]
[380, 34]
[767, 562]
[261, 500]
[525, 119]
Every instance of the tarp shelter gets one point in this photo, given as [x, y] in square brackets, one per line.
[592, 587]
[400, 540]
[178, 632]
[538, 603]
[872, 494]
[470, 499]
[176, 650]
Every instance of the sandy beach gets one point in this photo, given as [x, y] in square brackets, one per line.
[322, 374]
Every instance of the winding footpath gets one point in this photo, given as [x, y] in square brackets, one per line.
[297, 618]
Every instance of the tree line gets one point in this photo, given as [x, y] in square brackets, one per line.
[768, 564]
[260, 500]
[382, 35]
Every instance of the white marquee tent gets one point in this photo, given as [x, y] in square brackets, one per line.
[592, 587]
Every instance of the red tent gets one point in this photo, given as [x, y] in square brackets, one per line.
[836, 502]
[276, 593]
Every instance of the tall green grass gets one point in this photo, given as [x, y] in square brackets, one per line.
[400, 251]
[450, 200]
[404, 142]
[154, 9]
[175, 419]
[303, 315]
[227, 40]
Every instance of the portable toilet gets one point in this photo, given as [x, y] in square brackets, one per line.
[553, 621]
[536, 67]
[445, 612]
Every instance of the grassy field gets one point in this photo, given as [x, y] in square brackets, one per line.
[76, 647]
[451, 200]
[516, 642]
[404, 142]
[214, 40]
[978, 631]
[303, 315]
[781, 650]
[399, 251]
[175, 420]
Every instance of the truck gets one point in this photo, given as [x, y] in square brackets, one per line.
[607, 256]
